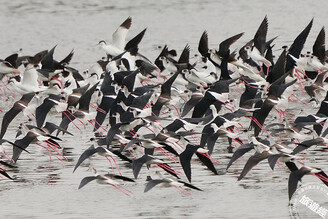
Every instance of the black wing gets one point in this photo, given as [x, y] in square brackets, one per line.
[66, 120]
[4, 173]
[137, 164]
[124, 178]
[252, 162]
[152, 183]
[185, 158]
[297, 46]
[260, 36]
[23, 144]
[203, 44]
[319, 46]
[86, 180]
[294, 177]
[134, 42]
[85, 99]
[240, 152]
[86, 154]
[12, 59]
[184, 57]
[51, 127]
[67, 59]
[190, 186]
[42, 110]
[207, 162]
[8, 117]
[224, 45]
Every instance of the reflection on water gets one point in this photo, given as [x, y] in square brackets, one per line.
[44, 188]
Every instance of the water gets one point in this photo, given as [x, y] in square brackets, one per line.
[49, 188]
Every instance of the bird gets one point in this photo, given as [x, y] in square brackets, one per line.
[118, 39]
[29, 82]
[240, 151]
[23, 144]
[82, 114]
[52, 100]
[109, 95]
[276, 90]
[169, 182]
[4, 173]
[296, 48]
[256, 52]
[186, 155]
[8, 66]
[308, 143]
[296, 176]
[36, 135]
[103, 152]
[109, 179]
[253, 161]
[165, 95]
[148, 160]
[178, 105]
[18, 106]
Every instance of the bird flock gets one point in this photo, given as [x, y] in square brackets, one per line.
[158, 114]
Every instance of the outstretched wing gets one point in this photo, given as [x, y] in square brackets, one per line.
[86, 180]
[152, 183]
[87, 153]
[137, 164]
[252, 162]
[119, 35]
[7, 118]
[240, 152]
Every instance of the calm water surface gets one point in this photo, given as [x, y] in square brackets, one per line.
[47, 188]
